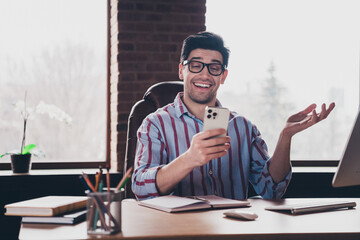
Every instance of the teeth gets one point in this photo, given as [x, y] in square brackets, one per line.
[202, 85]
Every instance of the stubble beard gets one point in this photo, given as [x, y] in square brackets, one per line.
[202, 99]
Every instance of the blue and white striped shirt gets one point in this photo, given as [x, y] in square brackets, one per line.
[166, 134]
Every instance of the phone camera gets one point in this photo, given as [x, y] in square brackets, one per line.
[214, 114]
[209, 111]
[208, 116]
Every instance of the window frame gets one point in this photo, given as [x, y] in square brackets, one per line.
[92, 164]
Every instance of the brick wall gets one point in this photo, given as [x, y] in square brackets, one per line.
[146, 39]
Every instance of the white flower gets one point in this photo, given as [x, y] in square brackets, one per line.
[53, 111]
[42, 108]
[20, 107]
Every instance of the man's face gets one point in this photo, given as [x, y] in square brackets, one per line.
[202, 87]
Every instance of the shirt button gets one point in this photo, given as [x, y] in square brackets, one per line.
[210, 172]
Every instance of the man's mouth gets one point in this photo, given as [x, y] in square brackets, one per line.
[202, 85]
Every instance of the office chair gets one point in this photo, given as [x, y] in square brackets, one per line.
[158, 95]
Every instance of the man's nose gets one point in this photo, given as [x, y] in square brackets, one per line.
[205, 71]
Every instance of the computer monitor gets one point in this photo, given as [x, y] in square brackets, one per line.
[348, 170]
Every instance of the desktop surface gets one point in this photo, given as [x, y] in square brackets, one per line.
[144, 223]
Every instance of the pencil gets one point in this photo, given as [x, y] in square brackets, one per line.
[98, 202]
[97, 179]
[124, 179]
[108, 190]
[108, 178]
[101, 171]
[87, 180]
[96, 217]
[93, 208]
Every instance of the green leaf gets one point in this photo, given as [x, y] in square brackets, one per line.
[28, 148]
[4, 155]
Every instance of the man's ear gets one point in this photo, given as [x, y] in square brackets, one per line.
[181, 75]
[223, 77]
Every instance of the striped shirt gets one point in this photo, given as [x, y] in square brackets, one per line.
[166, 134]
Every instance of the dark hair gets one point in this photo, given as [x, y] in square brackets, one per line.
[204, 40]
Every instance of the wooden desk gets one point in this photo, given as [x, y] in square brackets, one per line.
[145, 223]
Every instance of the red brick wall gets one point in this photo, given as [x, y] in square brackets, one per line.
[146, 39]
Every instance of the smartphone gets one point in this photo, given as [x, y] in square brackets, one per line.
[216, 117]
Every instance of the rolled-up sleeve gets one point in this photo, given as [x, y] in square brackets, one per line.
[260, 176]
[149, 158]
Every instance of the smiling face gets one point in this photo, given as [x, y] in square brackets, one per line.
[201, 88]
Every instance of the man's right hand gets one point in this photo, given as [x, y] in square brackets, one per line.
[205, 147]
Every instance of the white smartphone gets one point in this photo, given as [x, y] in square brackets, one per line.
[216, 117]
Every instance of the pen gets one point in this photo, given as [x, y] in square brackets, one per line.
[97, 201]
[87, 180]
[82, 180]
[124, 179]
[97, 181]
[124, 183]
[108, 178]
[100, 172]
[108, 190]
[91, 214]
[96, 217]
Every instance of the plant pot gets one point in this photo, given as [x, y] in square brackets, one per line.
[20, 163]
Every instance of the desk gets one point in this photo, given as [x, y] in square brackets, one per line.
[145, 223]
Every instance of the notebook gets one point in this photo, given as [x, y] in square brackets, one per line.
[46, 206]
[69, 218]
[171, 203]
[316, 206]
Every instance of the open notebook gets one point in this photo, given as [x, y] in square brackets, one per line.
[316, 206]
[171, 203]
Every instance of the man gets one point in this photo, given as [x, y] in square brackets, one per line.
[174, 156]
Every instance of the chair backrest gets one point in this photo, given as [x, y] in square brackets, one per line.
[158, 95]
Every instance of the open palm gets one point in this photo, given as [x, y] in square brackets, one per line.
[302, 120]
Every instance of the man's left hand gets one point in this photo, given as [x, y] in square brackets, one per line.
[302, 120]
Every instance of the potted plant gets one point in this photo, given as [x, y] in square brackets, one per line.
[21, 160]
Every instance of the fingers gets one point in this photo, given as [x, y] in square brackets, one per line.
[216, 149]
[211, 133]
[302, 116]
[213, 145]
[205, 146]
[309, 109]
[301, 121]
[200, 155]
[323, 114]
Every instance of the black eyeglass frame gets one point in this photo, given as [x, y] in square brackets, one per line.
[187, 62]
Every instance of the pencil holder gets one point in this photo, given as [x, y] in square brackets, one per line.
[104, 212]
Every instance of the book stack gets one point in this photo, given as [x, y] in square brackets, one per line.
[50, 209]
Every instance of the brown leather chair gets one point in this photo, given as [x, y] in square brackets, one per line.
[156, 96]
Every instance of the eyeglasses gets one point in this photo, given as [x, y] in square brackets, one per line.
[214, 69]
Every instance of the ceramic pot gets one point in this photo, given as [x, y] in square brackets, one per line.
[20, 163]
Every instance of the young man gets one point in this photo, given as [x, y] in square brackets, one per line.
[174, 156]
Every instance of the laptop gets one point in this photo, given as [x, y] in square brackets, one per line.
[348, 171]
[313, 206]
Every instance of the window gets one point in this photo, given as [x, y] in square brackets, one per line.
[286, 55]
[56, 52]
